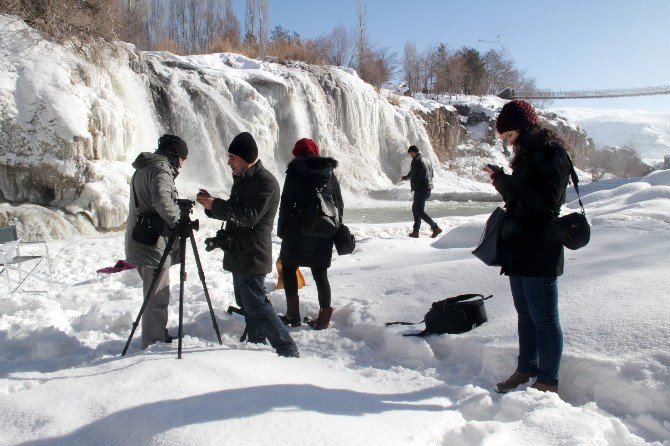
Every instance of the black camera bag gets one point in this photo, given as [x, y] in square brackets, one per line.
[454, 315]
[148, 226]
[345, 242]
[320, 217]
[573, 230]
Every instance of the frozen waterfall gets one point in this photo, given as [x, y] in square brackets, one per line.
[70, 128]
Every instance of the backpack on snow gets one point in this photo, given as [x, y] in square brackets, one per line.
[320, 218]
[454, 315]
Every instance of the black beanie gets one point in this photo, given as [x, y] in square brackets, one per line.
[172, 145]
[244, 146]
[413, 149]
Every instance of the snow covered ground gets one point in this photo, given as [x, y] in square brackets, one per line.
[648, 133]
[62, 381]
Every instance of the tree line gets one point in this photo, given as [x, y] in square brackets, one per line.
[209, 26]
[439, 70]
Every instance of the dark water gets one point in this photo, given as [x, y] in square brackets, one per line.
[394, 212]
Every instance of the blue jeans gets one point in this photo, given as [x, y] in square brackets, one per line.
[262, 320]
[540, 334]
[419, 209]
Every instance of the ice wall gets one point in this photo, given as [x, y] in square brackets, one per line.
[71, 128]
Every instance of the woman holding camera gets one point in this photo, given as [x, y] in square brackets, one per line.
[531, 255]
[306, 172]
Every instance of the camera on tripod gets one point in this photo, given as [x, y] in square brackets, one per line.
[220, 240]
[185, 206]
[185, 209]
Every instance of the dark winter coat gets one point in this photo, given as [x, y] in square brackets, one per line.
[249, 212]
[533, 196]
[153, 184]
[302, 176]
[420, 174]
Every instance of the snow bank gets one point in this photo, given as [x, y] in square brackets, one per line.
[646, 132]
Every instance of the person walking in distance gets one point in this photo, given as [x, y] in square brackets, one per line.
[249, 214]
[420, 177]
[153, 191]
[306, 172]
[531, 254]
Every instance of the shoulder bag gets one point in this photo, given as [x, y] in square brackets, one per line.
[487, 251]
[345, 242]
[148, 225]
[573, 230]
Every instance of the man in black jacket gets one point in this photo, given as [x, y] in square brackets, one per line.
[250, 213]
[420, 177]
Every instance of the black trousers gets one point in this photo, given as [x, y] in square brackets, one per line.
[320, 278]
[418, 209]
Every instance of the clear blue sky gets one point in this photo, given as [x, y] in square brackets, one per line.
[563, 44]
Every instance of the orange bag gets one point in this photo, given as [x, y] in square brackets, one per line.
[280, 277]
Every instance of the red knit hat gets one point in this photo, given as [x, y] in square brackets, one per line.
[516, 115]
[305, 147]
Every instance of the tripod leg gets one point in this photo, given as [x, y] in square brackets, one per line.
[166, 253]
[182, 279]
[204, 285]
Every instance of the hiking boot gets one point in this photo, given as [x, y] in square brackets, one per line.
[413, 234]
[515, 380]
[169, 338]
[436, 231]
[289, 353]
[545, 387]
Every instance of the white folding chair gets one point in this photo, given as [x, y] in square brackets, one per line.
[11, 260]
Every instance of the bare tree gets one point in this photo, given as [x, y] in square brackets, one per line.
[178, 24]
[257, 24]
[361, 37]
[501, 73]
[449, 77]
[411, 65]
[231, 26]
[334, 46]
[250, 18]
[378, 66]
[157, 22]
[263, 23]
[250, 27]
[428, 70]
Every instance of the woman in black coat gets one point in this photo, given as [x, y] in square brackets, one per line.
[531, 254]
[306, 172]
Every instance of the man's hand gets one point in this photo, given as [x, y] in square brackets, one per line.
[205, 199]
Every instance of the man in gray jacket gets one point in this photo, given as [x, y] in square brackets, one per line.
[152, 191]
[420, 177]
[247, 251]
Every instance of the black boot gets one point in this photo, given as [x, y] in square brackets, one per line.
[322, 321]
[292, 316]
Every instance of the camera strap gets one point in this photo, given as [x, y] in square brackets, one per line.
[132, 186]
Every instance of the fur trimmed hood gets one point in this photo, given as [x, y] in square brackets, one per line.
[316, 169]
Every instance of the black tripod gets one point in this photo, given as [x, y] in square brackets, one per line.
[183, 229]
